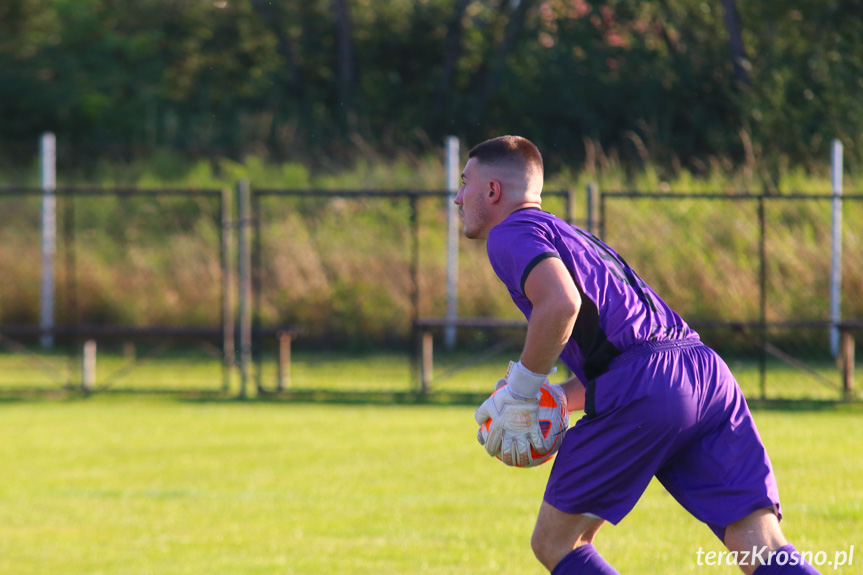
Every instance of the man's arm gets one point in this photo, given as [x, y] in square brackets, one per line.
[574, 390]
[556, 302]
[514, 409]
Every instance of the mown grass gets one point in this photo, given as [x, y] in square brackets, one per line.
[133, 486]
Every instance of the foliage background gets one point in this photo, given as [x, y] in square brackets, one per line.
[324, 83]
[356, 94]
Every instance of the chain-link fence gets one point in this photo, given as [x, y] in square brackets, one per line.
[752, 273]
[140, 273]
[356, 270]
[148, 276]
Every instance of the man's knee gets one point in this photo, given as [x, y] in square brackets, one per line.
[549, 548]
[557, 533]
[757, 533]
[756, 538]
[758, 529]
[542, 548]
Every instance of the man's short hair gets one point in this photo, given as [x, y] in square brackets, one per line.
[511, 150]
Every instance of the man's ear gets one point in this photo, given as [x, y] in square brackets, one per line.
[495, 191]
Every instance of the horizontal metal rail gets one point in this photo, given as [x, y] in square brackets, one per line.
[95, 191]
[136, 331]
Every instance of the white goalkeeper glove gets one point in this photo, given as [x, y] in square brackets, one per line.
[514, 413]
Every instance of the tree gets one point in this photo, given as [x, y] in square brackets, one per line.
[345, 57]
[735, 40]
[271, 18]
[452, 49]
[513, 12]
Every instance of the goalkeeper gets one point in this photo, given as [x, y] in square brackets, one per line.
[657, 402]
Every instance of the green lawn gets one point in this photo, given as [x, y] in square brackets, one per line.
[131, 485]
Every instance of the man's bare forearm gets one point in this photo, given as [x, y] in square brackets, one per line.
[550, 327]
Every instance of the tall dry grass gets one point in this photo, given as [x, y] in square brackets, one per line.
[341, 267]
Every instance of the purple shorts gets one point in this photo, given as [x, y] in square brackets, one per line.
[671, 410]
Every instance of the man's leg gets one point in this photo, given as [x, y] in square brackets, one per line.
[563, 543]
[757, 535]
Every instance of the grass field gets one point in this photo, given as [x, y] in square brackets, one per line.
[138, 484]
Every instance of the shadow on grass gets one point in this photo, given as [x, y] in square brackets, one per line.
[341, 397]
[293, 396]
[474, 399]
[807, 405]
[332, 397]
[75, 394]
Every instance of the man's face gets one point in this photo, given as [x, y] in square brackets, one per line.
[472, 200]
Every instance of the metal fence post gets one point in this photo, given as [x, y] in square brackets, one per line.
[228, 349]
[257, 337]
[245, 284]
[571, 197]
[285, 339]
[847, 364]
[836, 251]
[71, 276]
[427, 355]
[592, 208]
[415, 289]
[762, 257]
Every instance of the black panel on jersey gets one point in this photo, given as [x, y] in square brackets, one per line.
[595, 347]
[587, 333]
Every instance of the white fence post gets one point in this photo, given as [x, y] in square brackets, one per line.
[836, 252]
[48, 153]
[88, 366]
[453, 177]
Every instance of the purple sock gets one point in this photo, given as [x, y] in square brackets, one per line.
[584, 560]
[786, 561]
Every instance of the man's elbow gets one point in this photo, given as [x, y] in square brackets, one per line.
[565, 309]
[571, 304]
[569, 310]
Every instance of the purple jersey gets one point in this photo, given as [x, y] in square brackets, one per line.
[618, 310]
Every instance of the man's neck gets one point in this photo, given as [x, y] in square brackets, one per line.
[504, 214]
[522, 206]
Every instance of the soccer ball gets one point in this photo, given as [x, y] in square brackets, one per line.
[553, 422]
